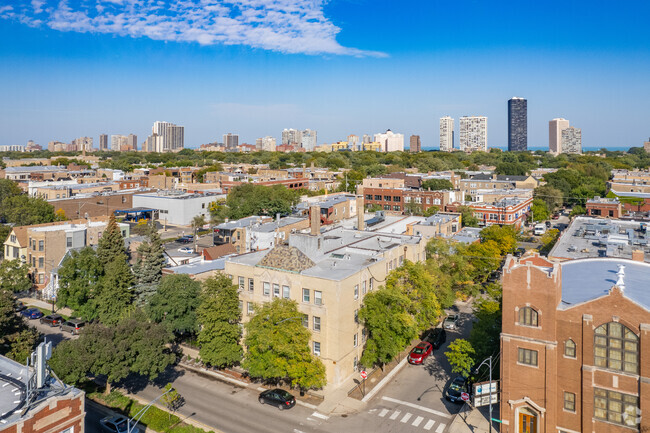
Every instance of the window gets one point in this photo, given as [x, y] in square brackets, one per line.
[305, 295]
[251, 285]
[527, 356]
[363, 288]
[396, 208]
[407, 199]
[386, 198]
[241, 305]
[355, 340]
[276, 290]
[318, 297]
[527, 316]
[241, 284]
[41, 262]
[266, 287]
[41, 278]
[570, 348]
[616, 347]
[386, 207]
[250, 308]
[377, 197]
[615, 407]
[316, 323]
[570, 401]
[436, 201]
[397, 198]
[305, 320]
[316, 348]
[13, 238]
[368, 196]
[356, 316]
[356, 291]
[428, 200]
[285, 292]
[41, 244]
[370, 283]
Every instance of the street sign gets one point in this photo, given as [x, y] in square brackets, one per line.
[486, 393]
[464, 396]
[364, 374]
[496, 420]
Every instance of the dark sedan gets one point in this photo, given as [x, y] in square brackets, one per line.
[52, 320]
[278, 398]
[436, 336]
[456, 388]
[32, 313]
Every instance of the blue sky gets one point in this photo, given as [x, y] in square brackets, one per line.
[253, 67]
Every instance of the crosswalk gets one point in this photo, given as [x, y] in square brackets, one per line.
[413, 419]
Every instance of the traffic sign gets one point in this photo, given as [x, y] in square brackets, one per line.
[364, 374]
[464, 396]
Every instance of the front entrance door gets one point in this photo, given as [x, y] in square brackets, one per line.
[527, 423]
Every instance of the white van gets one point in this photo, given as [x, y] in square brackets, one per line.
[540, 229]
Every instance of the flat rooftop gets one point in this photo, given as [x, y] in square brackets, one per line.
[598, 237]
[467, 235]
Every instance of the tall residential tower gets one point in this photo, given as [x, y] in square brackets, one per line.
[555, 128]
[517, 125]
[446, 134]
[473, 134]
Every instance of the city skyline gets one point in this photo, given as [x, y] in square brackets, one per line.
[69, 74]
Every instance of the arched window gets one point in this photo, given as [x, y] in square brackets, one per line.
[570, 348]
[527, 316]
[616, 347]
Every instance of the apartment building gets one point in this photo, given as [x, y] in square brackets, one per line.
[399, 199]
[444, 224]
[509, 211]
[390, 141]
[473, 134]
[328, 275]
[446, 134]
[604, 207]
[482, 181]
[575, 346]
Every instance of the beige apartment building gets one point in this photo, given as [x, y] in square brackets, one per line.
[328, 275]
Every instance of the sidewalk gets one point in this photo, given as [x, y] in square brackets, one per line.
[45, 306]
[475, 420]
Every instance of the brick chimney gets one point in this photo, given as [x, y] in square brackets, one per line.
[314, 220]
[361, 224]
[638, 256]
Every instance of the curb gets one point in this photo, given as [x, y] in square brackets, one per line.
[385, 380]
[106, 411]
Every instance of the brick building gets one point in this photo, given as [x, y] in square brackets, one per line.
[575, 346]
[604, 207]
[398, 199]
[509, 211]
[94, 205]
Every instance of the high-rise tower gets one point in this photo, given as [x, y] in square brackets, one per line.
[446, 134]
[517, 125]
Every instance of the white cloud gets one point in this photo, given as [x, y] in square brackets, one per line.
[288, 26]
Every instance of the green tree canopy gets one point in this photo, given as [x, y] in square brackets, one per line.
[467, 216]
[80, 276]
[504, 236]
[133, 345]
[111, 245]
[25, 211]
[485, 335]
[115, 298]
[437, 184]
[14, 276]
[151, 259]
[460, 355]
[17, 340]
[389, 325]
[174, 304]
[278, 346]
[251, 199]
[539, 210]
[219, 316]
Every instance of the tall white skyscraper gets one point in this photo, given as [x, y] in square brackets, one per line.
[555, 128]
[291, 137]
[366, 139]
[390, 142]
[572, 140]
[309, 139]
[117, 141]
[231, 141]
[83, 144]
[446, 134]
[473, 133]
[165, 137]
[267, 143]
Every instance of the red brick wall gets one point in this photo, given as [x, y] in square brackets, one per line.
[54, 415]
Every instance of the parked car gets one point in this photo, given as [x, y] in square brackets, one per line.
[455, 388]
[187, 250]
[555, 216]
[32, 313]
[116, 424]
[278, 398]
[548, 224]
[20, 307]
[451, 322]
[73, 326]
[52, 319]
[186, 239]
[436, 336]
[420, 353]
[520, 252]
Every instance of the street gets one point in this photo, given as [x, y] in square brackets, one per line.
[412, 401]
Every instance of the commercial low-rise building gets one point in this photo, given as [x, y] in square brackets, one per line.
[509, 211]
[604, 207]
[178, 208]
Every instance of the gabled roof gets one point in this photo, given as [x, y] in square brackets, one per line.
[215, 252]
[287, 258]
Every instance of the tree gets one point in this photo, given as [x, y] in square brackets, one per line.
[467, 216]
[549, 238]
[577, 210]
[219, 315]
[251, 199]
[111, 245]
[431, 210]
[133, 345]
[539, 210]
[552, 197]
[80, 276]
[151, 259]
[504, 236]
[115, 297]
[5, 230]
[390, 327]
[511, 168]
[278, 346]
[27, 211]
[17, 340]
[172, 399]
[413, 280]
[174, 304]
[485, 334]
[14, 276]
[460, 355]
[412, 208]
[59, 215]
[437, 184]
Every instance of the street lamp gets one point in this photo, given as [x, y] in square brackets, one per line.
[140, 414]
[489, 361]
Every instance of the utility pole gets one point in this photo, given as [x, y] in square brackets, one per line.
[129, 427]
[489, 361]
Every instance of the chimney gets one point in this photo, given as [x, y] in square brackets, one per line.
[314, 219]
[638, 256]
[360, 214]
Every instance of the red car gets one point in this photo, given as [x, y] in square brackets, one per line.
[420, 352]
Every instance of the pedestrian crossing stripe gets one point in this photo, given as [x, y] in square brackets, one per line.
[395, 414]
[407, 417]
